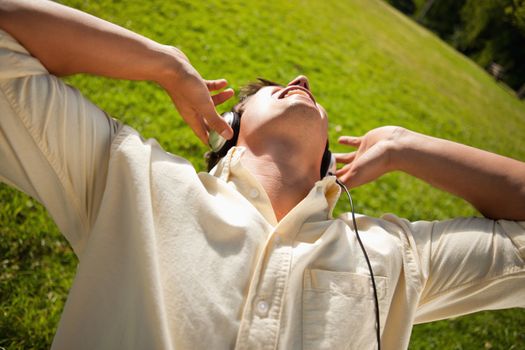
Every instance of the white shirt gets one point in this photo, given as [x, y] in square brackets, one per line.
[174, 259]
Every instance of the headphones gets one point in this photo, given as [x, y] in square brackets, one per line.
[220, 146]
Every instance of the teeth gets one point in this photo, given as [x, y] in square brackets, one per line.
[292, 92]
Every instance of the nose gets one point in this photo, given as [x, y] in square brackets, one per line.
[302, 81]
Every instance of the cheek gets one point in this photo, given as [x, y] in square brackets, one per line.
[249, 122]
[256, 115]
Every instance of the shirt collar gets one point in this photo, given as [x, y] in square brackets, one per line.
[318, 205]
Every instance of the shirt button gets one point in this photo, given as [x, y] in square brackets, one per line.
[262, 307]
[254, 193]
[277, 240]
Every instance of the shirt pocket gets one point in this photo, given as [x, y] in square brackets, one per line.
[339, 310]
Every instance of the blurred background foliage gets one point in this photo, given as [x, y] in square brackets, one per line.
[491, 32]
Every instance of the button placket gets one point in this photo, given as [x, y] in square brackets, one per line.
[270, 298]
[261, 329]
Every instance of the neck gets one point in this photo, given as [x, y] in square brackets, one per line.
[287, 180]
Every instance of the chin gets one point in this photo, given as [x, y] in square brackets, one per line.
[295, 117]
[306, 112]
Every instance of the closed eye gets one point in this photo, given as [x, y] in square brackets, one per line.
[267, 82]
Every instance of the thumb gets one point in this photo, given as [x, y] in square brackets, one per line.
[350, 177]
[216, 122]
[350, 141]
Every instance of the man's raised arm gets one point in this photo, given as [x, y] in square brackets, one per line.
[493, 184]
[68, 41]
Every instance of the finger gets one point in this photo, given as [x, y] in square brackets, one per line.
[222, 96]
[215, 121]
[344, 157]
[343, 177]
[350, 179]
[217, 84]
[350, 141]
[350, 176]
[200, 131]
[342, 171]
[193, 118]
[199, 128]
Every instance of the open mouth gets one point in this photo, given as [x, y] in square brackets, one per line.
[295, 90]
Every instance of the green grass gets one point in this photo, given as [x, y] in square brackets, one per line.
[368, 65]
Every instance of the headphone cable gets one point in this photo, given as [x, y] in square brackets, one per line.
[376, 301]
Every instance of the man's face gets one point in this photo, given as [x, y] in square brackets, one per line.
[284, 113]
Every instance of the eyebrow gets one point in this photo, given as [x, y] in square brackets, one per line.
[269, 82]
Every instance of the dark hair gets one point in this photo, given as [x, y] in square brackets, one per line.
[212, 158]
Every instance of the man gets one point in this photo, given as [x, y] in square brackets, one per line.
[248, 256]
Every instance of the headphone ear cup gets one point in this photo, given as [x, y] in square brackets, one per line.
[333, 165]
[328, 163]
[219, 144]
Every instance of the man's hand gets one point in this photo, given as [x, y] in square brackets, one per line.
[191, 94]
[112, 51]
[372, 157]
[493, 184]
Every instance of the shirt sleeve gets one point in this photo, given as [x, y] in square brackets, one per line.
[468, 265]
[54, 143]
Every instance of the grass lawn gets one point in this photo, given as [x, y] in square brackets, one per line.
[368, 65]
